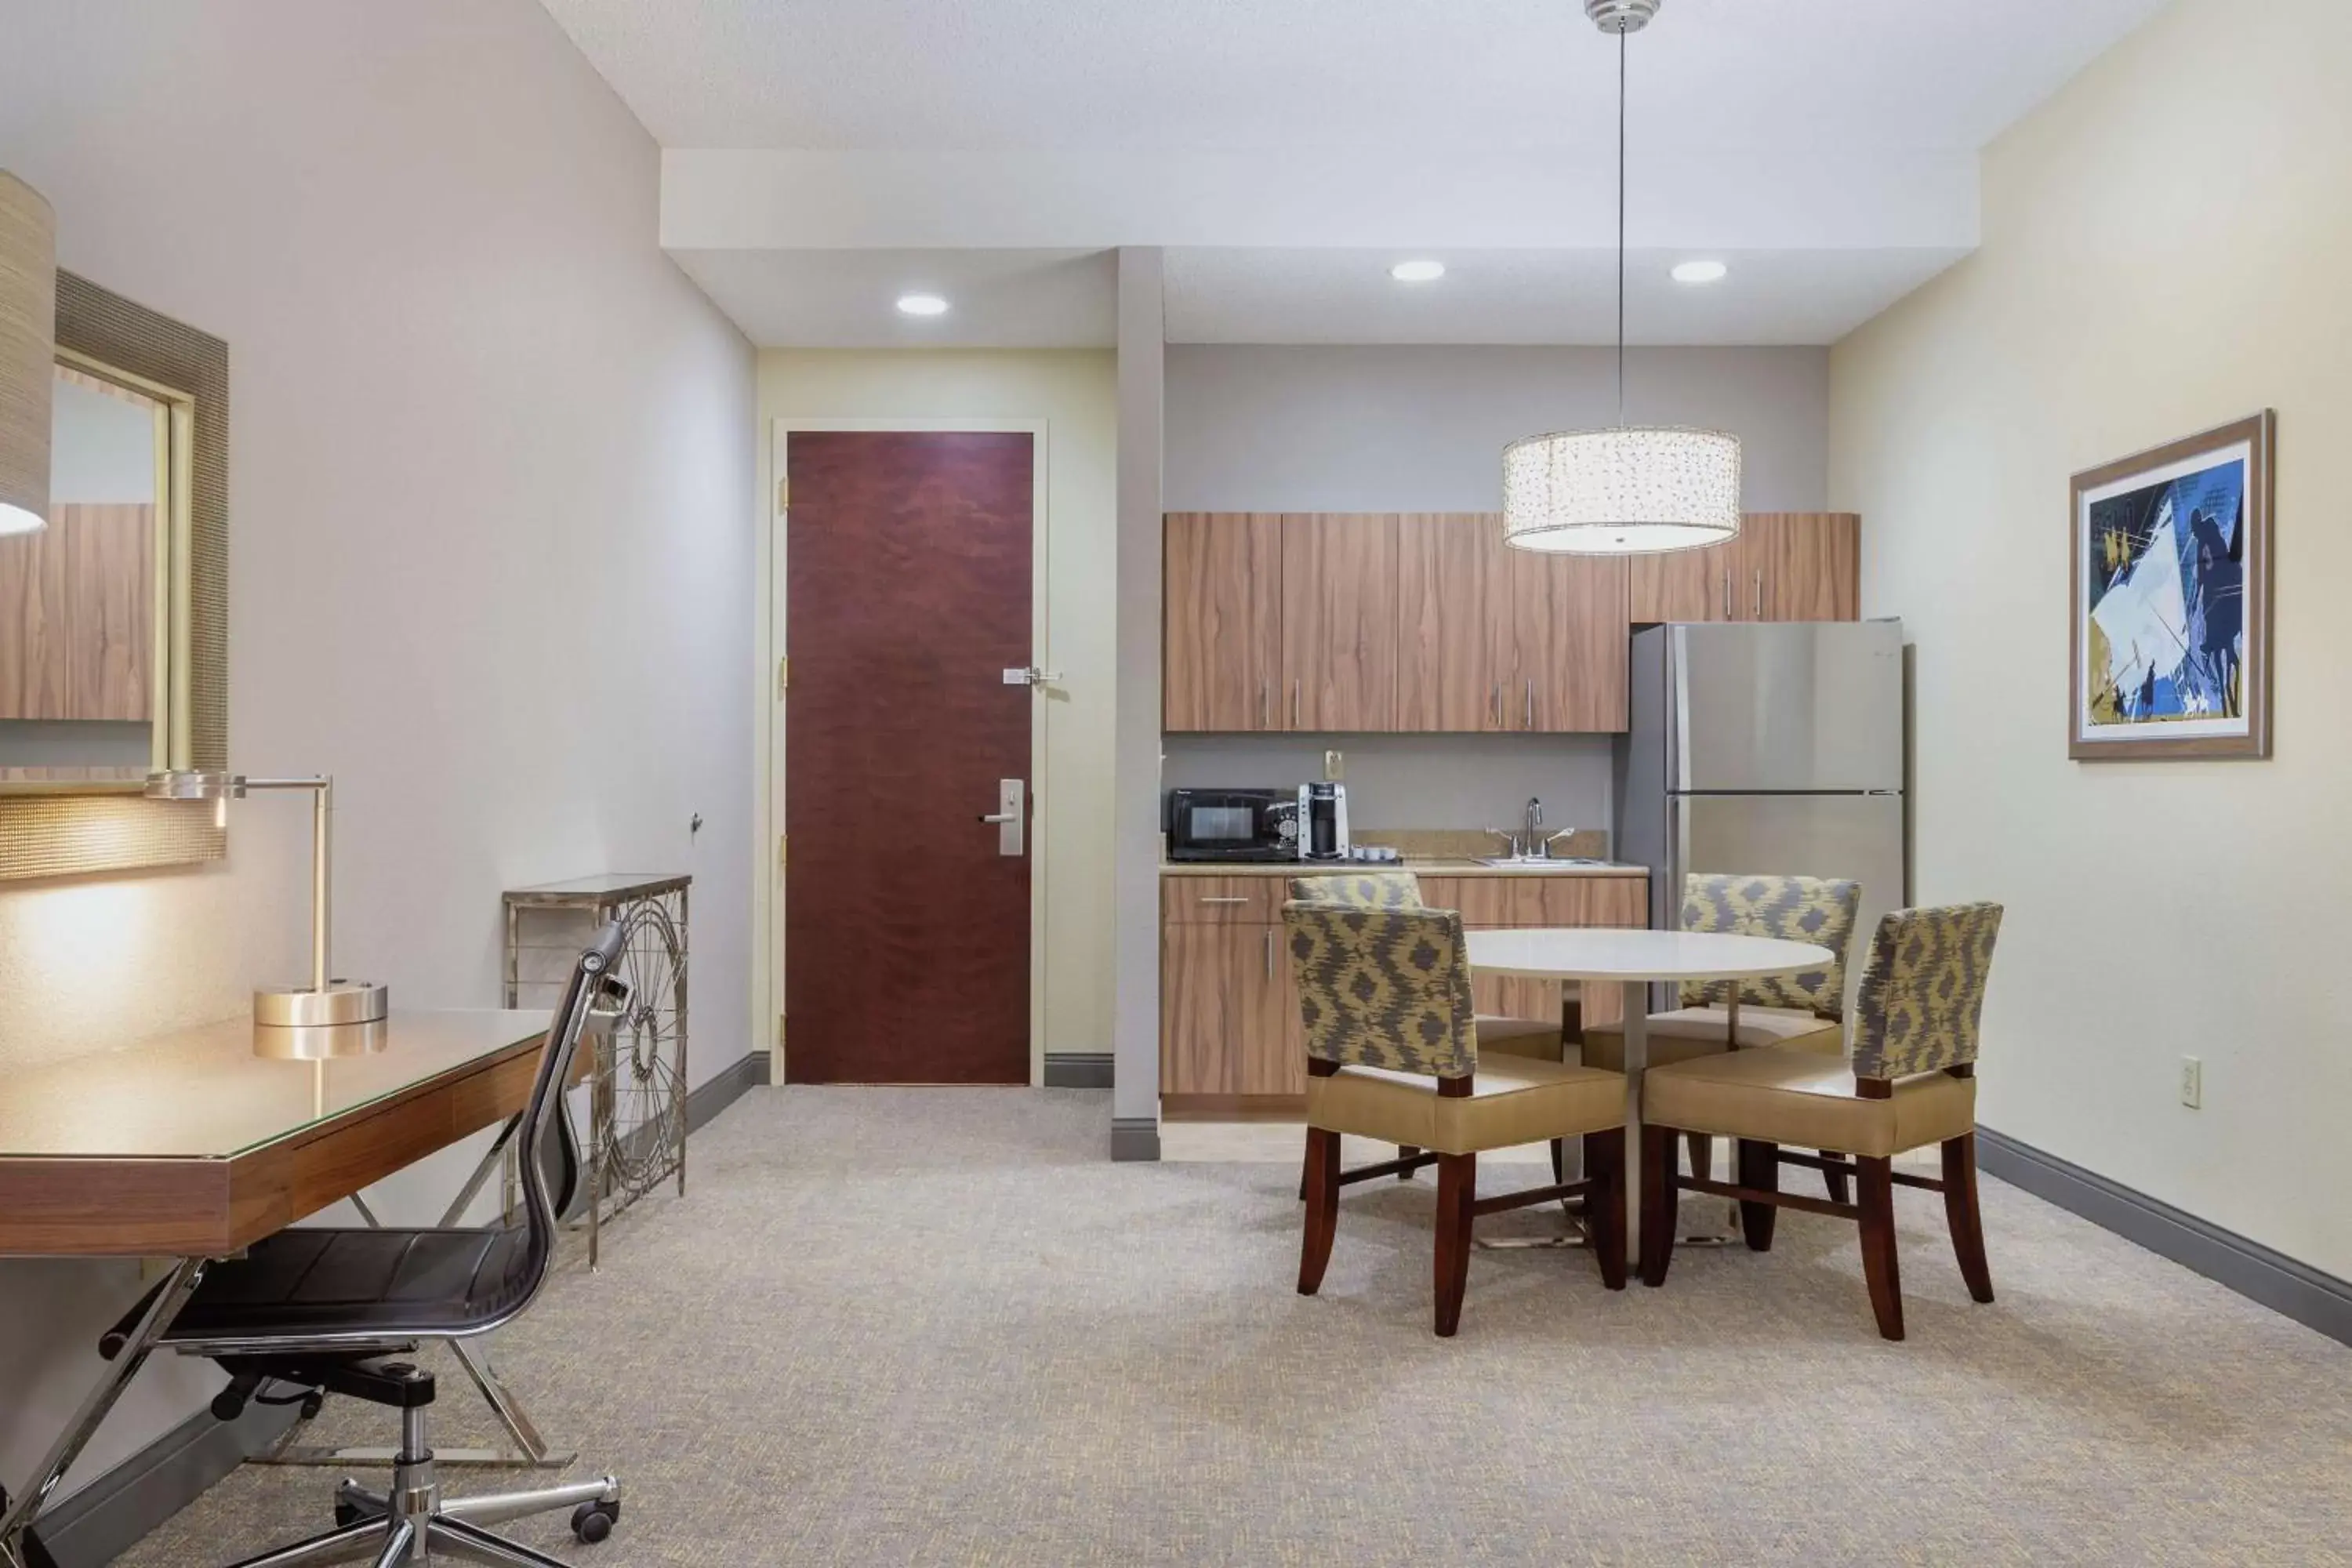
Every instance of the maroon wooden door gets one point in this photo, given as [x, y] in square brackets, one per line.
[907, 598]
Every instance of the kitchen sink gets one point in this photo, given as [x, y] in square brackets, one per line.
[1516, 862]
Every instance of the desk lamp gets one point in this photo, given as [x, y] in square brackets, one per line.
[325, 1000]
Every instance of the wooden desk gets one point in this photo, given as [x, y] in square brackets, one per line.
[194, 1145]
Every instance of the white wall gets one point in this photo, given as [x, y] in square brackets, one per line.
[492, 525]
[1253, 428]
[1074, 391]
[2164, 250]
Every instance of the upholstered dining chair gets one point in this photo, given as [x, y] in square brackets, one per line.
[1805, 1011]
[1909, 1081]
[1393, 1054]
[1511, 1036]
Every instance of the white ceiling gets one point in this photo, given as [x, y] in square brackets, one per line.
[848, 298]
[1278, 148]
[1471, 74]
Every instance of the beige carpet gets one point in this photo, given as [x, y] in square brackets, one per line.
[937, 1327]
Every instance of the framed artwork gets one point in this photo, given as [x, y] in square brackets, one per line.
[2169, 620]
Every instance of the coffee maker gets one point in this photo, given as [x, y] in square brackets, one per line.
[1322, 822]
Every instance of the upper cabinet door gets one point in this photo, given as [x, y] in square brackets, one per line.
[1579, 685]
[1682, 585]
[1444, 677]
[1811, 566]
[1557, 634]
[1339, 621]
[1222, 628]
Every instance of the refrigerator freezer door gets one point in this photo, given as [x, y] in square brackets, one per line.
[1855, 837]
[1804, 705]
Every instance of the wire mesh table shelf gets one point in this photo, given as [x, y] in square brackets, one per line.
[636, 1081]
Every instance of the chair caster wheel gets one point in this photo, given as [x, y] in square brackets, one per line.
[593, 1522]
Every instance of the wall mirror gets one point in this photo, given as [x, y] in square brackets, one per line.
[111, 618]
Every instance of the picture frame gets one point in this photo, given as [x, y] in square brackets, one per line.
[2168, 612]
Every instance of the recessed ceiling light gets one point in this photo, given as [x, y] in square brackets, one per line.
[1700, 272]
[922, 305]
[1418, 271]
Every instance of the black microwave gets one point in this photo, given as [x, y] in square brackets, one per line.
[1233, 825]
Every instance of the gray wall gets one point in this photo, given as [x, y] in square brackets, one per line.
[1260, 429]
[1416, 781]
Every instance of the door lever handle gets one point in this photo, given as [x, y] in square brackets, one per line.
[1009, 817]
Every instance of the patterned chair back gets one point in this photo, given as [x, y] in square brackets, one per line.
[1360, 890]
[1383, 988]
[1923, 989]
[1794, 908]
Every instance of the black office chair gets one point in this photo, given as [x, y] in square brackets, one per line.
[335, 1310]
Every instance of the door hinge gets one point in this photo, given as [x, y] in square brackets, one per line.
[780, 1031]
[784, 674]
[780, 851]
[783, 494]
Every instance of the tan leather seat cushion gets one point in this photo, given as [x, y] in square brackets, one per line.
[1521, 1037]
[1808, 1100]
[1513, 1100]
[1687, 1033]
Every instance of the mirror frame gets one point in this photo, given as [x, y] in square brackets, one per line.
[66, 829]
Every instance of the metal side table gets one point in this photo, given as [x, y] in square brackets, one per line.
[637, 1084]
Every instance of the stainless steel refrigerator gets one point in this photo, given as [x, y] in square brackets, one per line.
[1771, 748]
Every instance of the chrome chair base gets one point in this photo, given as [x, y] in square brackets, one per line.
[413, 1522]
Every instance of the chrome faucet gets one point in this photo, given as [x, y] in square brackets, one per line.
[1534, 845]
[1529, 843]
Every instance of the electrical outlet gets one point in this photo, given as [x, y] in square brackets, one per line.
[2192, 1083]
[1334, 766]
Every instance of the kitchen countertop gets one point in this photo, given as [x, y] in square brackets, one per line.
[1433, 866]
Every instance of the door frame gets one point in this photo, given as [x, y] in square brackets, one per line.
[770, 737]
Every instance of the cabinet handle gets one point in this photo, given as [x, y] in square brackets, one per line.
[1294, 702]
[1494, 703]
[1758, 613]
[1529, 721]
[1206, 900]
[1269, 953]
[1264, 709]
[1726, 593]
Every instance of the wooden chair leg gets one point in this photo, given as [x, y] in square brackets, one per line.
[1961, 1212]
[1659, 1191]
[1701, 1154]
[1840, 1190]
[1322, 1207]
[1559, 1161]
[1879, 1271]
[1604, 1210]
[1758, 1167]
[1406, 1151]
[1457, 1189]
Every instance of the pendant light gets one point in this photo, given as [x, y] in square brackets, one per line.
[29, 329]
[1626, 489]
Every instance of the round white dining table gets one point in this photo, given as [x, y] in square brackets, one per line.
[1636, 960]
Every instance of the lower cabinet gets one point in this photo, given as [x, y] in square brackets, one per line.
[1228, 1015]
[1230, 1040]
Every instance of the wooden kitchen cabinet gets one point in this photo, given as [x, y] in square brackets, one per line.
[1339, 630]
[1231, 1043]
[1445, 675]
[1682, 585]
[1557, 629]
[1222, 647]
[1784, 566]
[1223, 1027]
[1803, 566]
